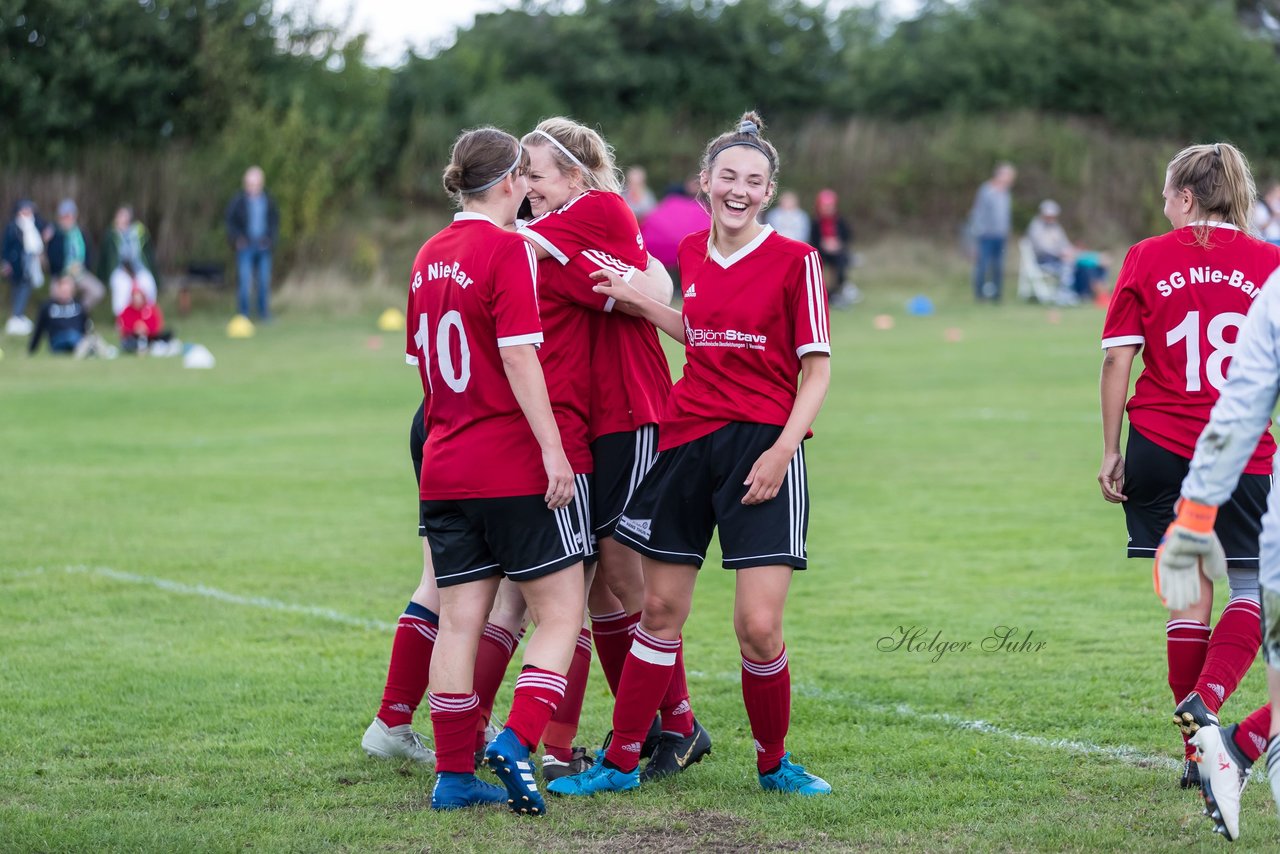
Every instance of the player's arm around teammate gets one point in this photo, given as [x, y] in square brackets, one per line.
[474, 316]
[611, 380]
[754, 318]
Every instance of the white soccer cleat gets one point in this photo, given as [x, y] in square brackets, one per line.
[18, 325]
[1273, 776]
[397, 742]
[1222, 777]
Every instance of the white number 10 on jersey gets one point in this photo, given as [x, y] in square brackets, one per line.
[1215, 364]
[455, 376]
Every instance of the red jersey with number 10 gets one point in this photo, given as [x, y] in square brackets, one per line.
[472, 293]
[747, 321]
[1184, 305]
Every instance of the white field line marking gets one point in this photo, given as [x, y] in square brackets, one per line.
[1127, 755]
[218, 595]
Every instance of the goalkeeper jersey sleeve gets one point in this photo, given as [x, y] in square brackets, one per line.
[1243, 411]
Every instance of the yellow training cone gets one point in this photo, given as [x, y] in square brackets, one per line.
[240, 327]
[391, 320]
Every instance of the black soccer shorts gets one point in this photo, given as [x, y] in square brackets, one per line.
[621, 461]
[1153, 481]
[694, 488]
[519, 537]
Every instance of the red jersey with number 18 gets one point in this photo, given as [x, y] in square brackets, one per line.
[748, 319]
[472, 293]
[1183, 304]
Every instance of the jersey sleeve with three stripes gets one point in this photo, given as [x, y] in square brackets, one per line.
[809, 302]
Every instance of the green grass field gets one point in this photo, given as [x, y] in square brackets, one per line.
[199, 572]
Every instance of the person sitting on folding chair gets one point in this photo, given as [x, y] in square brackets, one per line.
[1078, 272]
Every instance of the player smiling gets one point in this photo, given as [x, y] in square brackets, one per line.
[715, 469]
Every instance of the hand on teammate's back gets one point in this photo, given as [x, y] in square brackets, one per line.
[612, 286]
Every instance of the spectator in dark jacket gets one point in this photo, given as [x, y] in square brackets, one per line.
[21, 255]
[70, 252]
[62, 318]
[253, 224]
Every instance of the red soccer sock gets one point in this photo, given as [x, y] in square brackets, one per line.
[677, 714]
[644, 682]
[410, 667]
[563, 726]
[452, 723]
[766, 692]
[497, 645]
[1232, 649]
[612, 634]
[537, 693]
[1186, 643]
[1251, 734]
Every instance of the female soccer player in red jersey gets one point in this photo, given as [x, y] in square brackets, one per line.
[1181, 299]
[754, 319]
[582, 224]
[498, 495]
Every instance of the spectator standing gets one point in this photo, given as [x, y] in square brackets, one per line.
[20, 259]
[832, 236]
[253, 223]
[989, 225]
[678, 214]
[127, 259]
[788, 218]
[69, 254]
[637, 194]
[1268, 215]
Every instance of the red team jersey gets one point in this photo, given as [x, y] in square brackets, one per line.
[473, 292]
[1184, 305]
[604, 374]
[747, 319]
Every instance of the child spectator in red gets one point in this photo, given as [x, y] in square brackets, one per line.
[141, 326]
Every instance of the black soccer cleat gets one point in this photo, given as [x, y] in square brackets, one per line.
[1191, 714]
[1190, 778]
[554, 769]
[652, 738]
[650, 743]
[676, 752]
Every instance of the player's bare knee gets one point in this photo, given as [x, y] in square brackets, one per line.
[663, 616]
[759, 635]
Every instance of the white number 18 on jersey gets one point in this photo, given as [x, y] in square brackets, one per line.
[1215, 364]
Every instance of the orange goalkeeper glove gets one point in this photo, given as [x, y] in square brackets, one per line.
[1189, 547]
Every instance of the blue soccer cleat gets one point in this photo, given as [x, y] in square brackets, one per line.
[791, 777]
[597, 778]
[507, 757]
[455, 790]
